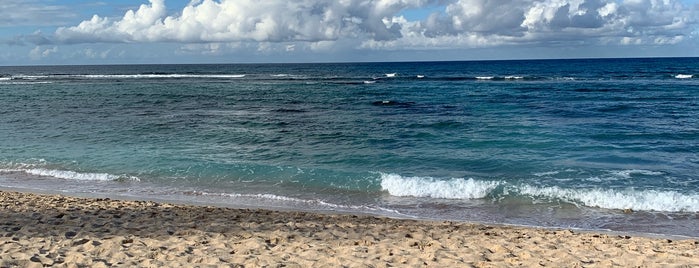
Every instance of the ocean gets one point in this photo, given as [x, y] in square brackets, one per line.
[592, 144]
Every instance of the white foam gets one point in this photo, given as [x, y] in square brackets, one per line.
[391, 75]
[485, 77]
[5, 78]
[684, 76]
[512, 77]
[152, 76]
[30, 77]
[455, 188]
[420, 76]
[369, 82]
[72, 175]
[316, 202]
[460, 188]
[644, 200]
[627, 174]
[548, 173]
[129, 76]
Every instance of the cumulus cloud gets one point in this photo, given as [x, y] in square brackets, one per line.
[378, 24]
[483, 23]
[244, 20]
[39, 52]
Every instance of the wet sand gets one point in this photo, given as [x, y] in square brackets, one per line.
[39, 230]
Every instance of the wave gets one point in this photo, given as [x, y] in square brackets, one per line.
[72, 175]
[627, 174]
[488, 78]
[644, 200]
[261, 77]
[457, 188]
[461, 188]
[125, 76]
[507, 77]
[153, 76]
[19, 81]
[284, 76]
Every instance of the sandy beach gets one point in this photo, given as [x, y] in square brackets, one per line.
[39, 230]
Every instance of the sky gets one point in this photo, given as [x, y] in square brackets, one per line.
[48, 32]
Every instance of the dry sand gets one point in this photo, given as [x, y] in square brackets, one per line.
[53, 230]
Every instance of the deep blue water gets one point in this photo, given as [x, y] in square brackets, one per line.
[562, 143]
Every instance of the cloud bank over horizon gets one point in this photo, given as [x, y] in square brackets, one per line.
[378, 23]
[213, 26]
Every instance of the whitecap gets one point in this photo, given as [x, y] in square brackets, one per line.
[547, 173]
[684, 76]
[641, 200]
[455, 188]
[628, 173]
[155, 76]
[72, 175]
[485, 77]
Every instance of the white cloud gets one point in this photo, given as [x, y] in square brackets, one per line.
[484, 23]
[243, 20]
[91, 53]
[302, 25]
[38, 53]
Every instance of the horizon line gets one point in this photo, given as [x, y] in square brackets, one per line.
[359, 62]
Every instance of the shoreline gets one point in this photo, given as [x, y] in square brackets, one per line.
[347, 211]
[59, 230]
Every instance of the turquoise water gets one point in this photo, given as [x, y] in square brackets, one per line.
[563, 143]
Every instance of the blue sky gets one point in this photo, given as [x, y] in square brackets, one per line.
[36, 32]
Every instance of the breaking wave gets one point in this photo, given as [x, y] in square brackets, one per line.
[460, 188]
[72, 175]
[645, 200]
[457, 188]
